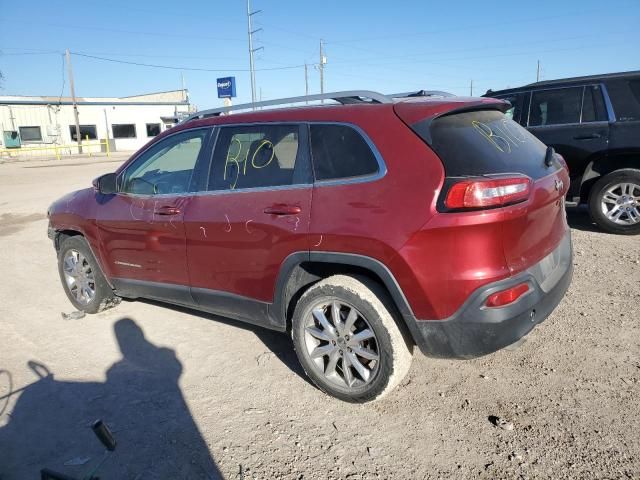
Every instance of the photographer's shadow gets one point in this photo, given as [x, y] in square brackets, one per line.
[140, 400]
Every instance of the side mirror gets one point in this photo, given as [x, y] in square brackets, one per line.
[105, 184]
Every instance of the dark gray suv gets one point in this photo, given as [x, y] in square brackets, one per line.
[594, 123]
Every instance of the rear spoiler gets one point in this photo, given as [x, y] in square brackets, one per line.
[419, 119]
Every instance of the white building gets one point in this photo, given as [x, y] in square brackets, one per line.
[129, 122]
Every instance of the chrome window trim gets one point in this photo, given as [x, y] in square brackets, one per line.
[556, 125]
[297, 186]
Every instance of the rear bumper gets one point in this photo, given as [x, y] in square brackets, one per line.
[475, 330]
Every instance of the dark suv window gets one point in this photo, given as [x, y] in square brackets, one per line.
[625, 98]
[554, 107]
[339, 151]
[258, 156]
[516, 99]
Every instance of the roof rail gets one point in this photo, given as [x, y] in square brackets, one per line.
[421, 93]
[346, 97]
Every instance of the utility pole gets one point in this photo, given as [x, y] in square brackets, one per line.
[73, 98]
[323, 60]
[538, 72]
[252, 50]
[306, 82]
[471, 89]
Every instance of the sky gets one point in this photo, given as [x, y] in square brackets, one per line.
[373, 45]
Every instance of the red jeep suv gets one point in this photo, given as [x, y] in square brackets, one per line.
[363, 227]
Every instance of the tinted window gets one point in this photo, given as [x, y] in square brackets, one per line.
[257, 156]
[625, 98]
[554, 107]
[514, 113]
[592, 105]
[153, 129]
[167, 166]
[124, 130]
[30, 134]
[339, 151]
[85, 131]
[486, 142]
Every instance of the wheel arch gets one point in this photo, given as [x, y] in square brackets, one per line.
[301, 270]
[61, 235]
[603, 165]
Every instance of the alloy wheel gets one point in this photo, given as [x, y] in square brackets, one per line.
[341, 344]
[78, 276]
[620, 203]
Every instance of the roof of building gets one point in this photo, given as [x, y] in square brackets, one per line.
[171, 97]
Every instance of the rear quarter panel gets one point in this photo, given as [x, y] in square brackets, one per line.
[376, 218]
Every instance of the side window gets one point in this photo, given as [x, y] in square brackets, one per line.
[255, 156]
[339, 151]
[593, 105]
[515, 111]
[555, 107]
[166, 167]
[625, 98]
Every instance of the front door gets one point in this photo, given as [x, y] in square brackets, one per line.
[141, 227]
[256, 212]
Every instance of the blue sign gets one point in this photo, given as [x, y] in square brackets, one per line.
[226, 87]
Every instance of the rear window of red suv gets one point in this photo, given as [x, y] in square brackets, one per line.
[485, 142]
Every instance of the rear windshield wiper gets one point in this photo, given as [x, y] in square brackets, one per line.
[548, 158]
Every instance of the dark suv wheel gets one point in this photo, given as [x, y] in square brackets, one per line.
[348, 341]
[81, 277]
[614, 202]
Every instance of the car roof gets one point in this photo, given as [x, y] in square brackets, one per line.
[428, 106]
[568, 81]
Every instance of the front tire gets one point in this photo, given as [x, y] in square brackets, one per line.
[347, 340]
[614, 202]
[81, 277]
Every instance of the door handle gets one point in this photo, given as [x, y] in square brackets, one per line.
[167, 211]
[283, 210]
[587, 137]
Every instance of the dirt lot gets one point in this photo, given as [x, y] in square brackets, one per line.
[194, 396]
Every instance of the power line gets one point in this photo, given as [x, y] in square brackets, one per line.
[195, 69]
[131, 32]
[475, 26]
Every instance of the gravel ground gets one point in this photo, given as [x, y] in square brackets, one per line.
[194, 396]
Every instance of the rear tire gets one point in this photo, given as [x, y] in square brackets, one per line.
[81, 277]
[614, 202]
[360, 357]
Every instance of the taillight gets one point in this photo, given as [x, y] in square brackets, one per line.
[505, 297]
[563, 161]
[490, 192]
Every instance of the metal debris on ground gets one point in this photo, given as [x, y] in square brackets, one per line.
[77, 315]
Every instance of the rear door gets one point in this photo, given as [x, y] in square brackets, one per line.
[625, 100]
[253, 215]
[573, 120]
